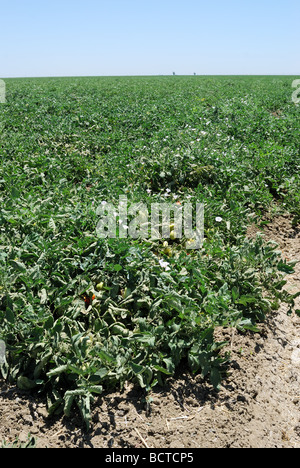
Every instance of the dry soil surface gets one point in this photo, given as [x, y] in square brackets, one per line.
[258, 406]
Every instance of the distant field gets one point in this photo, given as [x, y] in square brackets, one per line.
[79, 314]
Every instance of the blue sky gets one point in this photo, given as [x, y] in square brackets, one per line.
[149, 37]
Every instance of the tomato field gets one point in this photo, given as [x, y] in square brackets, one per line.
[80, 315]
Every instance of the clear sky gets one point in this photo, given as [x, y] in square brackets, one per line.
[149, 37]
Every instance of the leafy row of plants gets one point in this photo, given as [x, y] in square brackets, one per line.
[82, 315]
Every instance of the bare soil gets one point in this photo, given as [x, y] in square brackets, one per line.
[257, 407]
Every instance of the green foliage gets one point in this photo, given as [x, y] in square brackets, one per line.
[68, 144]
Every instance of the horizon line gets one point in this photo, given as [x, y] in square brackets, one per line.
[146, 76]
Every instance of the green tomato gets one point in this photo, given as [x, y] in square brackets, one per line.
[168, 251]
[172, 235]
